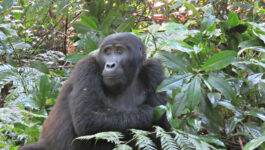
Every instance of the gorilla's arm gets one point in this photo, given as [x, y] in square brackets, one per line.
[152, 75]
[89, 115]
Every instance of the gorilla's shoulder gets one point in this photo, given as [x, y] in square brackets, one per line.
[86, 67]
[90, 60]
[152, 73]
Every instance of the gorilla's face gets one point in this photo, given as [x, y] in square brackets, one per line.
[115, 60]
[120, 58]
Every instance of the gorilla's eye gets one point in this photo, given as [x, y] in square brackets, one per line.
[119, 50]
[107, 51]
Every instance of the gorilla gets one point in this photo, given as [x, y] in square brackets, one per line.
[113, 91]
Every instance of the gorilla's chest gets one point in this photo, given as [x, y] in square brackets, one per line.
[130, 99]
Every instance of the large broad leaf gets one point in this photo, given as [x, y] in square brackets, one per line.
[207, 22]
[174, 82]
[222, 86]
[179, 45]
[6, 4]
[255, 48]
[172, 61]
[74, 58]
[172, 26]
[45, 89]
[107, 21]
[194, 93]
[90, 44]
[250, 43]
[123, 147]
[126, 25]
[233, 20]
[213, 115]
[254, 143]
[160, 111]
[39, 66]
[89, 22]
[80, 28]
[219, 60]
[191, 6]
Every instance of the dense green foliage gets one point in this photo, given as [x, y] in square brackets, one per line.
[214, 62]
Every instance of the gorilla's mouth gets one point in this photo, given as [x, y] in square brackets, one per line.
[112, 76]
[113, 80]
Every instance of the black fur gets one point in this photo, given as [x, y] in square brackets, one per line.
[85, 107]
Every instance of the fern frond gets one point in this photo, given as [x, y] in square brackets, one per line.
[189, 141]
[113, 137]
[7, 74]
[123, 147]
[143, 141]
[167, 142]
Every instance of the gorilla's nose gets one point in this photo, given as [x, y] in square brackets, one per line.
[110, 66]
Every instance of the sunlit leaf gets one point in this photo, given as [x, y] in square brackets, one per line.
[174, 82]
[123, 147]
[254, 143]
[255, 48]
[222, 86]
[126, 25]
[80, 28]
[172, 61]
[194, 93]
[219, 60]
[160, 111]
[233, 20]
[74, 58]
[207, 22]
[89, 22]
[39, 66]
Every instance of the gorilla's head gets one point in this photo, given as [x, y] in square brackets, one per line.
[120, 57]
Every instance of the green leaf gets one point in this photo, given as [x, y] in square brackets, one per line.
[20, 45]
[174, 82]
[222, 86]
[80, 28]
[172, 61]
[194, 93]
[213, 115]
[89, 22]
[177, 5]
[210, 139]
[2, 35]
[11, 62]
[233, 20]
[255, 114]
[191, 6]
[107, 21]
[214, 98]
[113, 137]
[250, 43]
[219, 61]
[207, 22]
[127, 25]
[6, 4]
[123, 147]
[255, 48]
[254, 143]
[74, 58]
[172, 26]
[45, 89]
[160, 111]
[90, 44]
[39, 66]
[179, 45]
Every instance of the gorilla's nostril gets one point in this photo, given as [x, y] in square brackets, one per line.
[112, 66]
